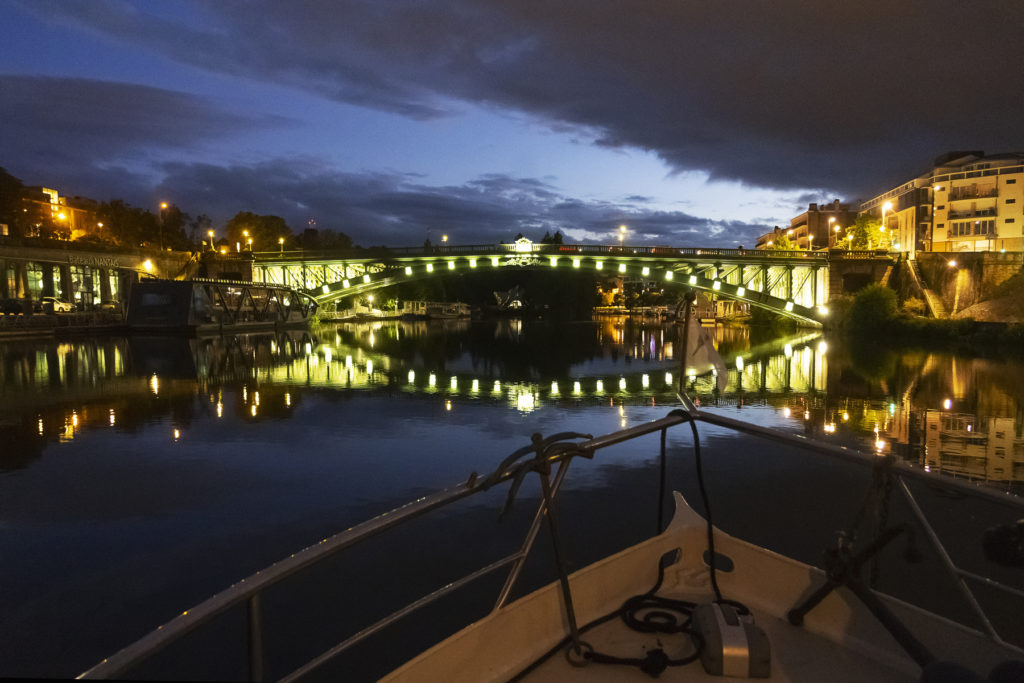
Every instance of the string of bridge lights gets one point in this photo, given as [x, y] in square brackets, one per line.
[577, 263]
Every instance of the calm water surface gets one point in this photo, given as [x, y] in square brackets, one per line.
[138, 476]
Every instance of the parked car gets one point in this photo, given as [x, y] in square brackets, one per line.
[12, 306]
[48, 303]
[108, 306]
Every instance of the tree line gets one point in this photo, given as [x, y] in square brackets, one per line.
[118, 223]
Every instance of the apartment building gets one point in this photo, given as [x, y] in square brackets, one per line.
[967, 201]
[821, 226]
[70, 218]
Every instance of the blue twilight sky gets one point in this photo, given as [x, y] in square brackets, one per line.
[693, 123]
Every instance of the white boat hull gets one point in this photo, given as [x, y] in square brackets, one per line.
[840, 640]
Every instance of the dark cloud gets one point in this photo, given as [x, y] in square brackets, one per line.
[789, 94]
[396, 210]
[65, 131]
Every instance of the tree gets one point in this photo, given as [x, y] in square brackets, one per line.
[326, 239]
[128, 226]
[264, 231]
[872, 307]
[11, 209]
[782, 243]
[171, 228]
[199, 228]
[866, 233]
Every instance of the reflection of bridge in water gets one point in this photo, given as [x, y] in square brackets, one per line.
[795, 365]
[55, 374]
[52, 390]
[795, 284]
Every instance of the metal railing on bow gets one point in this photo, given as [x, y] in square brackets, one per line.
[539, 456]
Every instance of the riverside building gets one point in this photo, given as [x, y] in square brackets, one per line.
[967, 201]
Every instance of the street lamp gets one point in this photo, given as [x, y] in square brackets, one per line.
[249, 242]
[280, 243]
[622, 235]
[210, 234]
[163, 207]
[885, 207]
[444, 238]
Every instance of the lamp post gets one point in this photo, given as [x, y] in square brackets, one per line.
[622, 235]
[280, 243]
[885, 207]
[163, 207]
[209, 233]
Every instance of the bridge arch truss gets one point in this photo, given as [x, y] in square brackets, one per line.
[793, 284]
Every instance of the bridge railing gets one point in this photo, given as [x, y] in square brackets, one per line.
[614, 250]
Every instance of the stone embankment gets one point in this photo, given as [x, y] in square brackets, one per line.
[984, 286]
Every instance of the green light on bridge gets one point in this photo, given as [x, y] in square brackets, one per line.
[430, 267]
[789, 306]
[326, 289]
[646, 271]
[716, 285]
[345, 284]
[451, 265]
[472, 263]
[366, 279]
[693, 279]
[622, 267]
[495, 261]
[599, 265]
[553, 260]
[668, 275]
[408, 270]
[741, 291]
[575, 263]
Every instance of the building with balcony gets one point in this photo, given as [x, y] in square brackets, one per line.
[967, 201]
[820, 226]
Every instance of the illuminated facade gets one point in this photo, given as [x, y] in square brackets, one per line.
[69, 218]
[966, 202]
[820, 225]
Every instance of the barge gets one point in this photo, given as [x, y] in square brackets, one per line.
[215, 306]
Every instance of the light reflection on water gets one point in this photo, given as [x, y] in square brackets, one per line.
[129, 456]
[960, 417]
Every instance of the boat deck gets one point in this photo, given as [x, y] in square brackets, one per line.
[797, 655]
[840, 639]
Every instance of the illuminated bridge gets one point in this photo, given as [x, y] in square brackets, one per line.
[796, 284]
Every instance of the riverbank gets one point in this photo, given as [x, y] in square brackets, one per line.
[53, 325]
[874, 316]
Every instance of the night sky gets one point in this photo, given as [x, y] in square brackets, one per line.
[693, 123]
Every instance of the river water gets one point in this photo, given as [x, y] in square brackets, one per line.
[138, 475]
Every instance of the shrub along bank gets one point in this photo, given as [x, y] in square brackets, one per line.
[874, 314]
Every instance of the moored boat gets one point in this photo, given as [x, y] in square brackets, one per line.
[214, 306]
